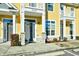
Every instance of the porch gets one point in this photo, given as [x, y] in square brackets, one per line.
[31, 20]
[7, 21]
[67, 29]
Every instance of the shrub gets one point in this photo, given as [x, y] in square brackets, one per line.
[77, 37]
[55, 39]
[59, 39]
[46, 40]
[65, 39]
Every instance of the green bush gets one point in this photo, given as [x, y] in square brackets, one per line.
[55, 39]
[65, 39]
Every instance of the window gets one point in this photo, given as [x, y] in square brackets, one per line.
[50, 6]
[72, 9]
[32, 4]
[61, 7]
[50, 28]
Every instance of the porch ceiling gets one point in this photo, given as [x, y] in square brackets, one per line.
[7, 9]
[72, 4]
[5, 13]
[33, 13]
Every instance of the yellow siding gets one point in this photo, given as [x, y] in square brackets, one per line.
[54, 15]
[17, 5]
[18, 29]
[77, 21]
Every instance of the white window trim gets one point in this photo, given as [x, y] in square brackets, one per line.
[50, 29]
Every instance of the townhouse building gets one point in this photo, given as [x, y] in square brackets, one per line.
[36, 21]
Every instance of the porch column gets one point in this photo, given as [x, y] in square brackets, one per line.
[14, 24]
[64, 28]
[22, 36]
[43, 24]
[74, 30]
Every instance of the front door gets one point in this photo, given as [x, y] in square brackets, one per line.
[7, 29]
[29, 30]
[71, 30]
[61, 29]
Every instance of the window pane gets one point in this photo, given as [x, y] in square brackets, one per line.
[47, 27]
[61, 7]
[52, 25]
[72, 9]
[47, 32]
[47, 24]
[52, 22]
[32, 4]
[71, 26]
[52, 32]
[50, 6]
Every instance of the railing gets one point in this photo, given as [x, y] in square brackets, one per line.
[72, 14]
[36, 6]
[39, 8]
[61, 13]
[68, 14]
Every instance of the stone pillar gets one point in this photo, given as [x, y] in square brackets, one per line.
[43, 24]
[14, 24]
[64, 27]
[22, 36]
[74, 30]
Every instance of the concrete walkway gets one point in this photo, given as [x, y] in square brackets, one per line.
[36, 48]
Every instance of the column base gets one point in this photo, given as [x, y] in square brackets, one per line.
[22, 38]
[43, 36]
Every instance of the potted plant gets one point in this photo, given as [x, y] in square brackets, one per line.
[55, 40]
[65, 39]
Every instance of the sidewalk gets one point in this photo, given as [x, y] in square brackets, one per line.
[36, 48]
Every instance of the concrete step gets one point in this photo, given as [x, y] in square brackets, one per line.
[52, 53]
[76, 50]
